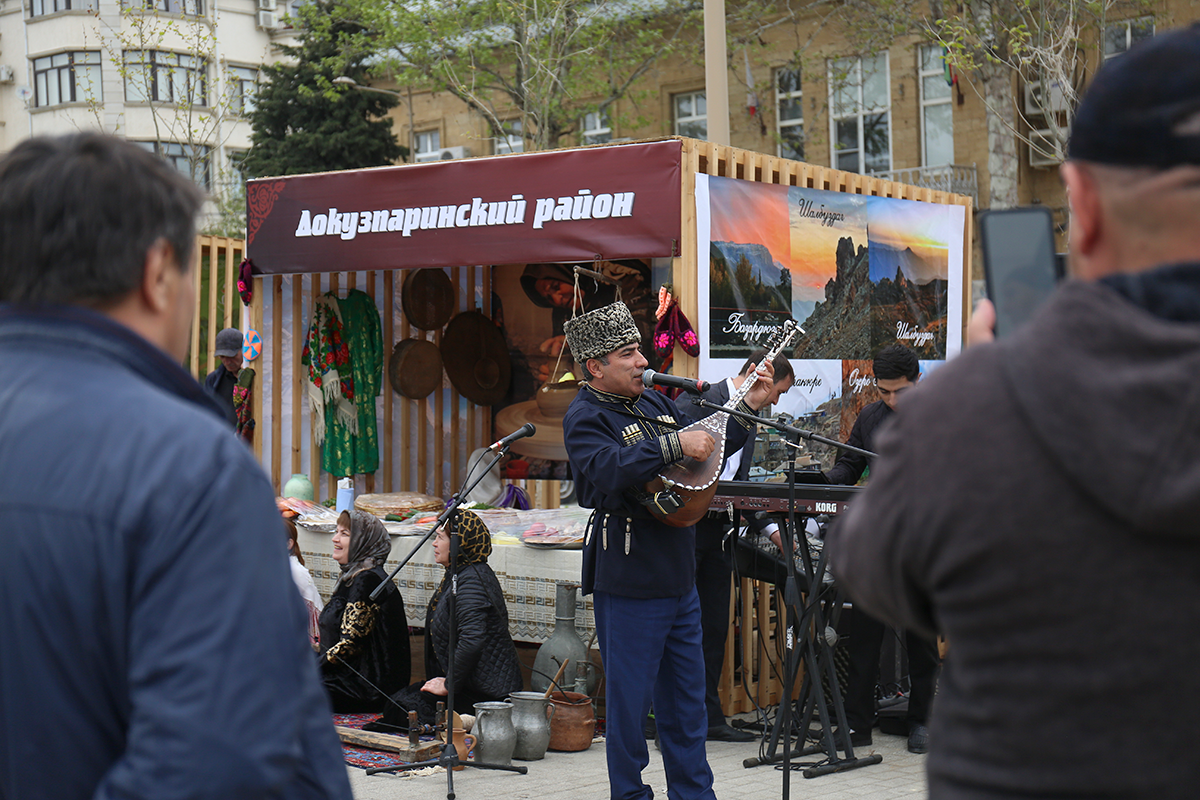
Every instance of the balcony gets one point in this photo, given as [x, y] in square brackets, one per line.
[953, 178]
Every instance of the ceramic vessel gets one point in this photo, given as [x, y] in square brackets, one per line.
[529, 717]
[299, 487]
[495, 736]
[564, 644]
[463, 744]
[573, 725]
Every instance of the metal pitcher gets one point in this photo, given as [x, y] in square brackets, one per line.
[494, 733]
[531, 719]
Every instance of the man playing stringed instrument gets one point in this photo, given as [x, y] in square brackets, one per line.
[640, 571]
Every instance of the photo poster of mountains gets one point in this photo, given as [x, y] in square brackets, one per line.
[857, 272]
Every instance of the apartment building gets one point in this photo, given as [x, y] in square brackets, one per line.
[175, 76]
[800, 91]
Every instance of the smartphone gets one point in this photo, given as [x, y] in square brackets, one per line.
[1019, 262]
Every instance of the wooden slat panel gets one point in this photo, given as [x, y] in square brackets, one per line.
[232, 299]
[406, 409]
[276, 367]
[383, 386]
[298, 331]
[388, 428]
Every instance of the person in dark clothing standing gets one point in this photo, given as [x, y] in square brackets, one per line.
[150, 624]
[713, 563]
[640, 570]
[896, 371]
[365, 652]
[220, 381]
[1049, 532]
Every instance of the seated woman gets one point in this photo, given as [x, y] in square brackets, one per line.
[365, 653]
[484, 658]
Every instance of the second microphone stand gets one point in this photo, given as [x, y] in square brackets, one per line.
[448, 758]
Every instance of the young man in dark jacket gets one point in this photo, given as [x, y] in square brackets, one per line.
[896, 371]
[149, 620]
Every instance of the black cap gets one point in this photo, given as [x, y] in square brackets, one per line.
[1143, 108]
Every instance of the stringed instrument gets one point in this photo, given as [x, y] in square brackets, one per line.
[695, 481]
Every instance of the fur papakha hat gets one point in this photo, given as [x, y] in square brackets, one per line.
[597, 333]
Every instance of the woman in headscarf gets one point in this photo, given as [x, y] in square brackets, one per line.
[485, 660]
[365, 652]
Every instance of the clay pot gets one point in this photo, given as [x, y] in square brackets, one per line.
[573, 725]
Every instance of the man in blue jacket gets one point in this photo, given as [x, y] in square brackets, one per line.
[641, 571]
[150, 625]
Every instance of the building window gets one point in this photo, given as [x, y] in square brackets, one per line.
[39, 8]
[595, 128]
[428, 145]
[193, 161]
[937, 119]
[789, 113]
[157, 76]
[512, 142]
[1120, 36]
[234, 177]
[243, 86]
[67, 78]
[691, 115]
[861, 114]
[193, 8]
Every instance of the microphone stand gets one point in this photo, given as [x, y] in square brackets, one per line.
[806, 618]
[449, 755]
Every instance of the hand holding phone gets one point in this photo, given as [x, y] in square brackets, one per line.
[1019, 262]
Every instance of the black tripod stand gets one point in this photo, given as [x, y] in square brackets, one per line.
[448, 758]
[807, 642]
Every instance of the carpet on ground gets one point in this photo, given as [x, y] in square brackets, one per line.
[361, 756]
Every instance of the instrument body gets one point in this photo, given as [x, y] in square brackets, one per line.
[695, 481]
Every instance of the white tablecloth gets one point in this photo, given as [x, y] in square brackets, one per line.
[529, 577]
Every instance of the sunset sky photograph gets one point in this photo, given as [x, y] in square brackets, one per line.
[814, 245]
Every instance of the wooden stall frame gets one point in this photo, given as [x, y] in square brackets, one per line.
[757, 681]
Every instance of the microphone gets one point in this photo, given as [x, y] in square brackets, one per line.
[520, 433]
[651, 378]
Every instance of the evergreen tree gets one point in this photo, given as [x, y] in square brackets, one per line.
[303, 123]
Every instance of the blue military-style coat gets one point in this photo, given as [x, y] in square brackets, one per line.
[616, 445]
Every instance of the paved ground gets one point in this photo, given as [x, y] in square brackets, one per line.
[583, 776]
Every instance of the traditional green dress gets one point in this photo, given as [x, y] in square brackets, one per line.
[344, 354]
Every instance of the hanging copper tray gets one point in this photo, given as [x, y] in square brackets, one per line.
[415, 368]
[476, 358]
[427, 298]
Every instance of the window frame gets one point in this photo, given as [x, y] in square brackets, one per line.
[424, 156]
[1127, 24]
[237, 93]
[860, 114]
[184, 8]
[676, 120]
[60, 6]
[167, 151]
[791, 122]
[509, 143]
[153, 68]
[926, 103]
[601, 133]
[71, 68]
